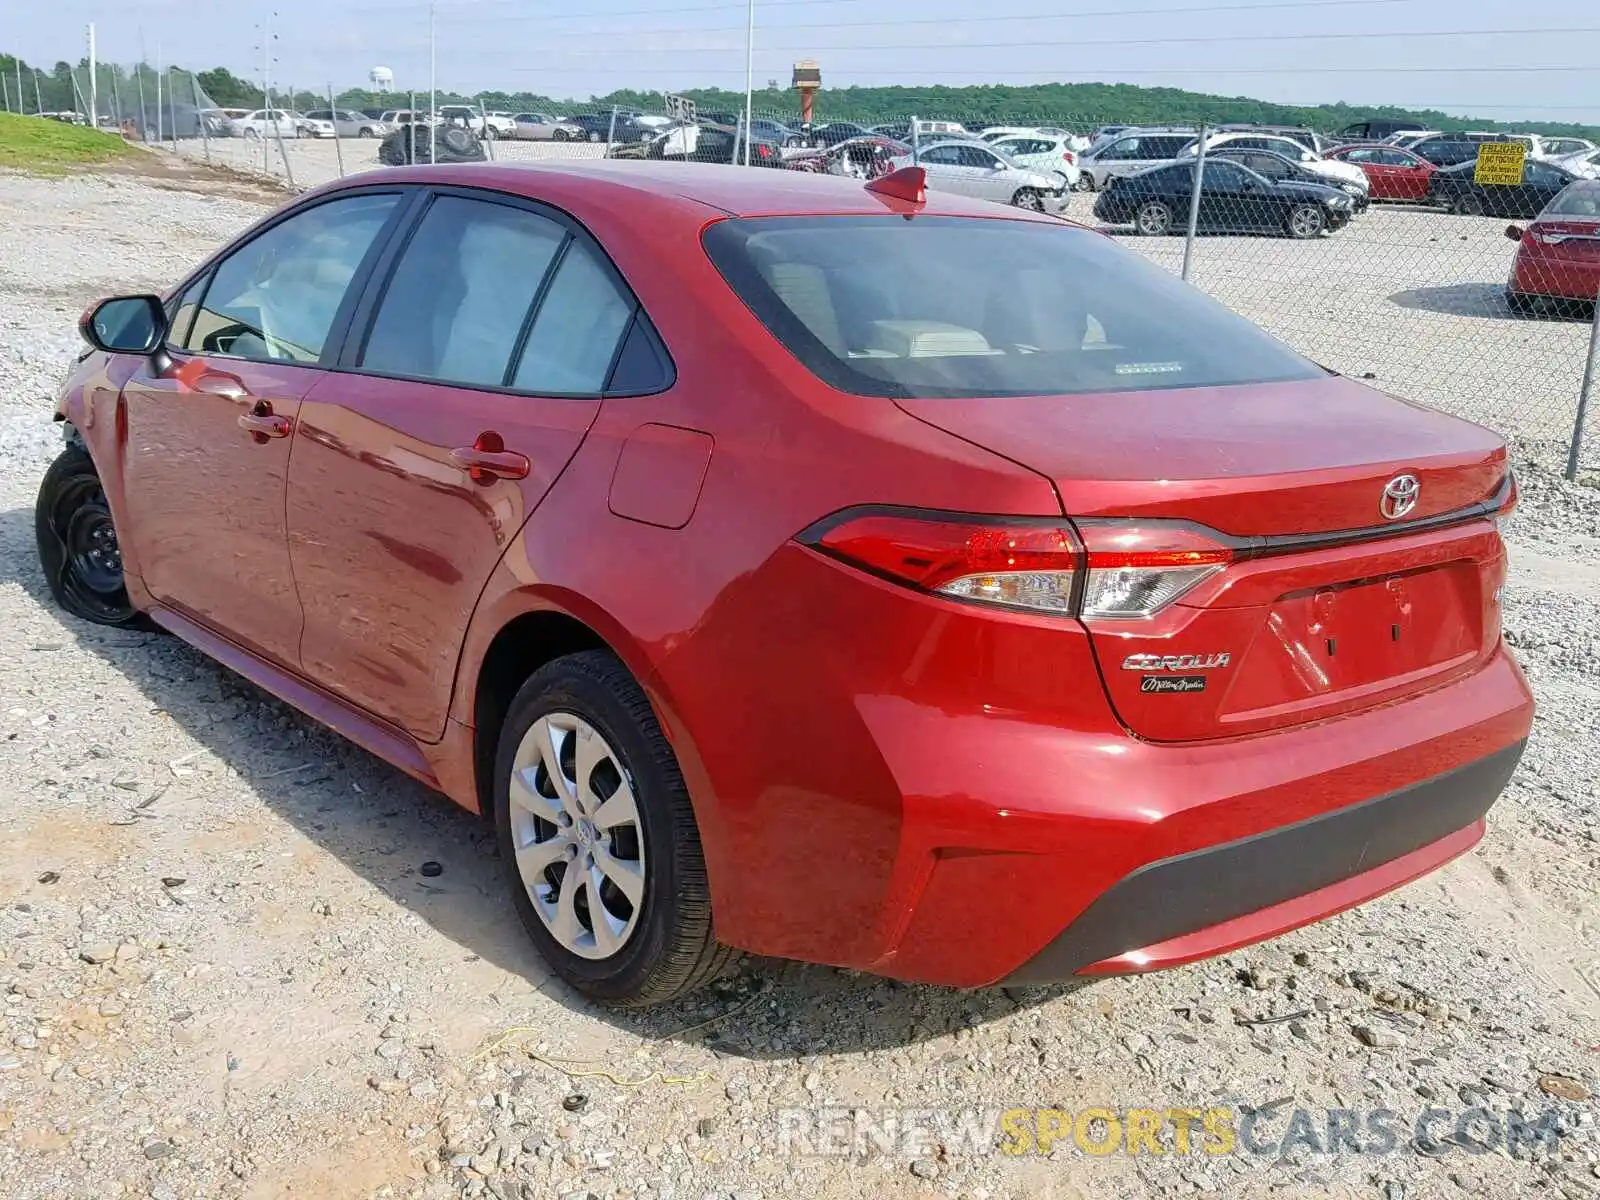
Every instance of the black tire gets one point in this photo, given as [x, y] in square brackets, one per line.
[457, 140]
[594, 136]
[1521, 304]
[365, 132]
[78, 545]
[560, 135]
[1153, 219]
[1085, 183]
[1028, 199]
[1468, 204]
[673, 949]
[1306, 221]
[490, 133]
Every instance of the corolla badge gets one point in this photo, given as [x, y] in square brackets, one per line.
[1176, 662]
[1399, 496]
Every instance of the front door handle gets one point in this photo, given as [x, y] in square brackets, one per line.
[261, 423]
[487, 460]
[221, 385]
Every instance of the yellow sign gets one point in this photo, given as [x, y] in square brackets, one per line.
[1500, 163]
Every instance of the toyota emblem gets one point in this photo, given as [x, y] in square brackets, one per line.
[1399, 496]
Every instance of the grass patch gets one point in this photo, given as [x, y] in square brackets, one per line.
[34, 144]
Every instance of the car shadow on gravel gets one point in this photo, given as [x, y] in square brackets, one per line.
[1482, 300]
[384, 826]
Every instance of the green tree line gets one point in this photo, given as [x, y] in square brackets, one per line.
[1076, 105]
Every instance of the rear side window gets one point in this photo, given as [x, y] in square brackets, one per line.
[457, 300]
[574, 338]
[965, 307]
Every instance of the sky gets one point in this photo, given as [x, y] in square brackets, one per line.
[1495, 58]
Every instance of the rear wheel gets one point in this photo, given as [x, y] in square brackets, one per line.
[1307, 221]
[560, 135]
[78, 546]
[594, 135]
[366, 132]
[1030, 199]
[1085, 183]
[1522, 304]
[599, 839]
[1468, 204]
[490, 133]
[1154, 219]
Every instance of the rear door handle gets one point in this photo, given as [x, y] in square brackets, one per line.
[261, 423]
[487, 460]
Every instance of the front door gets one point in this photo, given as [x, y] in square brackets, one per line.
[209, 439]
[420, 459]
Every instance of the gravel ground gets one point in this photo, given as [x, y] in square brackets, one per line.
[1410, 297]
[226, 971]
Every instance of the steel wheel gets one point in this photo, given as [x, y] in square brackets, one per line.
[78, 546]
[577, 836]
[1154, 219]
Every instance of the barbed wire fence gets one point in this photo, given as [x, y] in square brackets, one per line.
[1406, 287]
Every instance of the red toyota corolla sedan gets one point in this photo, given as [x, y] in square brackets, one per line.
[1394, 174]
[1558, 255]
[792, 565]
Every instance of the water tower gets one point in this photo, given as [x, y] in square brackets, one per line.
[382, 79]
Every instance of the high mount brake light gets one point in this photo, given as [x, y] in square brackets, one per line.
[1120, 570]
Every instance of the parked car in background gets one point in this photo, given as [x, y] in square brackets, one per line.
[1232, 200]
[597, 127]
[1333, 170]
[1269, 164]
[268, 122]
[396, 117]
[1132, 151]
[1455, 188]
[1451, 149]
[316, 127]
[1558, 255]
[542, 127]
[348, 123]
[1565, 147]
[1411, 137]
[860, 158]
[775, 131]
[1375, 129]
[511, 477]
[1392, 173]
[710, 142]
[218, 123]
[993, 133]
[835, 132]
[1046, 153]
[1585, 164]
[1308, 138]
[969, 168]
[488, 126]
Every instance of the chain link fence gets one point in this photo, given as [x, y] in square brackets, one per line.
[1369, 258]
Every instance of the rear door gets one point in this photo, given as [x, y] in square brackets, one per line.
[476, 365]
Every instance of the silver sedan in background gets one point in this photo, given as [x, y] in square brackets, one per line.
[970, 168]
[348, 124]
[542, 127]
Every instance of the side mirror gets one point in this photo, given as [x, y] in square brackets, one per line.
[1514, 232]
[125, 325]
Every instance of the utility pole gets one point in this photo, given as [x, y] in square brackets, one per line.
[94, 84]
[38, 100]
[749, 72]
[433, 88]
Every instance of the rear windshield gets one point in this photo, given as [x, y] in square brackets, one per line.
[962, 306]
[1580, 201]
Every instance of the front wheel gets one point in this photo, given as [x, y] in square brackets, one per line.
[560, 135]
[1085, 183]
[594, 135]
[1468, 204]
[1154, 219]
[366, 132]
[490, 133]
[1029, 199]
[598, 837]
[1307, 221]
[78, 546]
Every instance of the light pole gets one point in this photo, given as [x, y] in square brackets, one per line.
[749, 72]
[433, 90]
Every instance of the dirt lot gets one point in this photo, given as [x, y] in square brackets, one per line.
[225, 971]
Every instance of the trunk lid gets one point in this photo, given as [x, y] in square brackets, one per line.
[1329, 604]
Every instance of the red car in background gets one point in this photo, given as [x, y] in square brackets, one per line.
[1558, 255]
[831, 571]
[1394, 174]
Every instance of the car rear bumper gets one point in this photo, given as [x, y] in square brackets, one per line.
[1137, 856]
[1214, 899]
[1558, 278]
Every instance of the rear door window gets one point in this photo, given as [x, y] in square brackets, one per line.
[953, 307]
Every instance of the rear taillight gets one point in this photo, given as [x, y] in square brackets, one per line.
[1020, 564]
[1138, 568]
[1121, 570]
[1068, 157]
